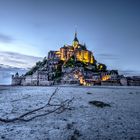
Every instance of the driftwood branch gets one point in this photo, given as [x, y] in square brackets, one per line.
[23, 98]
[30, 115]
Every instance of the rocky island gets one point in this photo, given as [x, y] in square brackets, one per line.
[72, 64]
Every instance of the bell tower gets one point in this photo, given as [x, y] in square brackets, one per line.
[75, 41]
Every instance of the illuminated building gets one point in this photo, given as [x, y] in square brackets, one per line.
[78, 50]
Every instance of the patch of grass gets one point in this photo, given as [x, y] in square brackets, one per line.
[99, 104]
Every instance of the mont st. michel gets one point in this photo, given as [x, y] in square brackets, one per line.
[72, 64]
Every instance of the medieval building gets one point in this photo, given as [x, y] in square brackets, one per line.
[78, 50]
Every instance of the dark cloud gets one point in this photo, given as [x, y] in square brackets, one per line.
[18, 60]
[6, 38]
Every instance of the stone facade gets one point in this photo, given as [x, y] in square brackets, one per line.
[123, 81]
[111, 83]
[133, 81]
[16, 79]
[40, 78]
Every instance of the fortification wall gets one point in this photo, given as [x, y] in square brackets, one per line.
[45, 83]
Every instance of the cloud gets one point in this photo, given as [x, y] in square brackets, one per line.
[11, 62]
[6, 72]
[6, 38]
[107, 56]
[129, 72]
[109, 59]
[18, 60]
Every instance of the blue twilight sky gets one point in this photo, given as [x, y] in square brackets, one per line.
[110, 28]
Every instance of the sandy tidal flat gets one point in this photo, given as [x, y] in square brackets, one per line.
[84, 121]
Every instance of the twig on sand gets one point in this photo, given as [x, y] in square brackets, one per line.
[30, 115]
[21, 99]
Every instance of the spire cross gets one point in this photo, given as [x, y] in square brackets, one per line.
[75, 31]
[75, 34]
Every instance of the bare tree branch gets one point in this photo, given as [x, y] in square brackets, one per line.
[58, 108]
[52, 95]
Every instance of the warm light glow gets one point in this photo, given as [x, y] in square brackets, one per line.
[84, 56]
[105, 77]
[66, 52]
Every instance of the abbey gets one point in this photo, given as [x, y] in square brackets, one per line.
[77, 50]
[71, 64]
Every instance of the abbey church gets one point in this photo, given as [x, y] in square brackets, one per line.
[76, 49]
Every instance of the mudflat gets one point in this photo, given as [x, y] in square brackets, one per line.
[94, 113]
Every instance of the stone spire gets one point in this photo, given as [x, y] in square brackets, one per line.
[75, 37]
